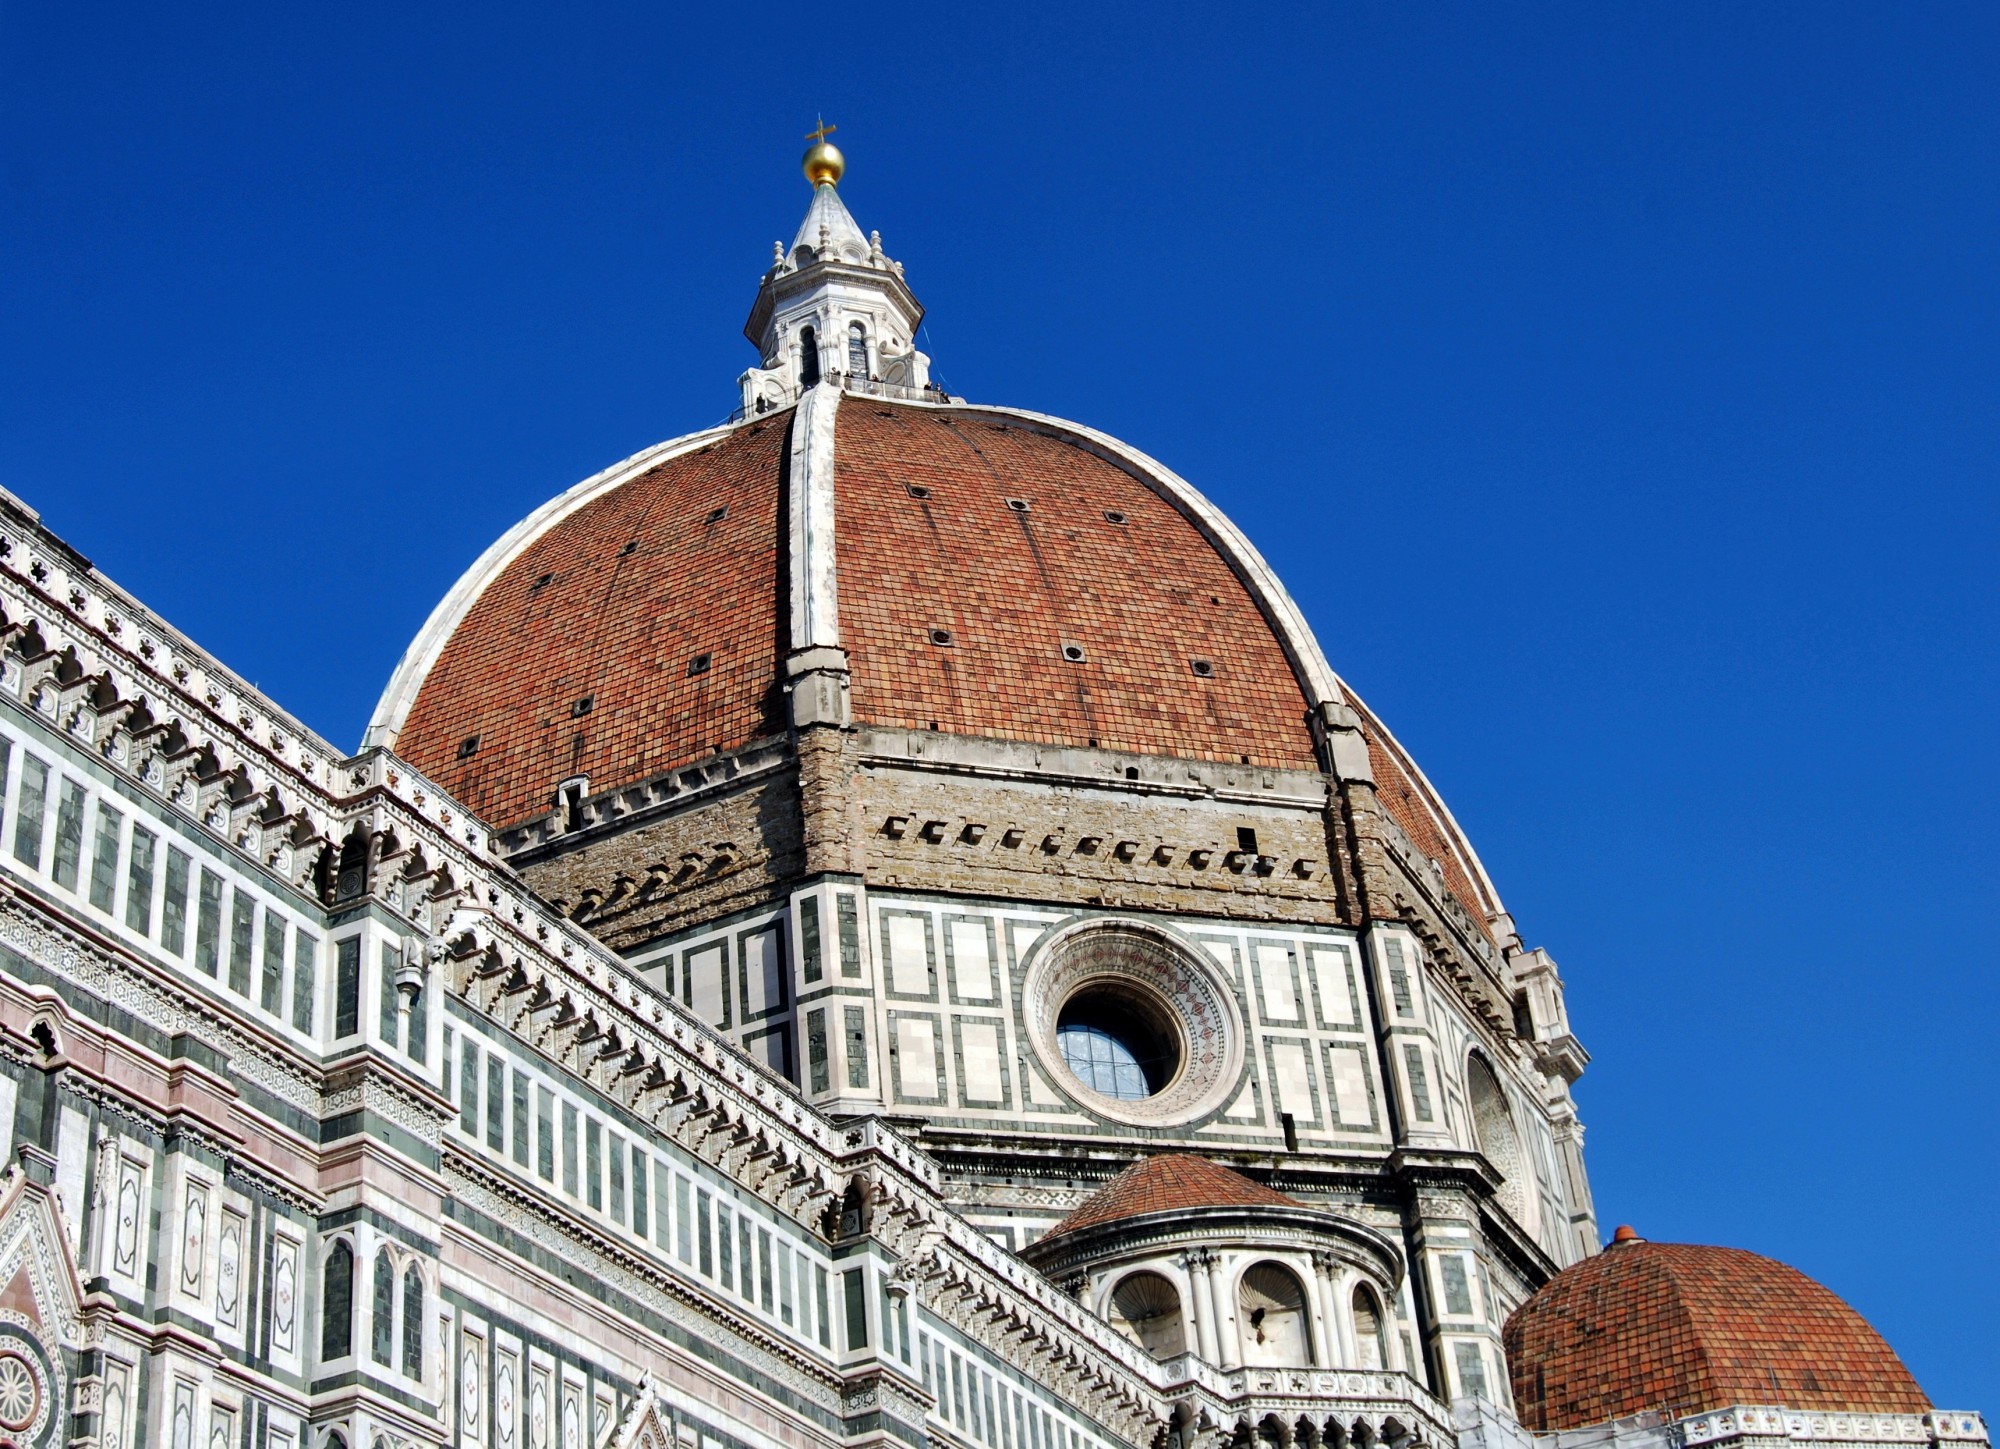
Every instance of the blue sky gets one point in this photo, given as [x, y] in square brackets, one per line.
[1613, 385]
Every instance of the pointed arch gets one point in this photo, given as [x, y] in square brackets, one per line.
[336, 1302]
[413, 1321]
[1500, 1140]
[350, 877]
[808, 356]
[382, 1311]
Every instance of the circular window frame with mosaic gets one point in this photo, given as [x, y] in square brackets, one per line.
[1172, 982]
[38, 1373]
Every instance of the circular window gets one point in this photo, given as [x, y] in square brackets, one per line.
[1133, 1024]
[1119, 1043]
[20, 1392]
[30, 1386]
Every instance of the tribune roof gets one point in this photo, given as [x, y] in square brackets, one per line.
[1688, 1329]
[1172, 1182]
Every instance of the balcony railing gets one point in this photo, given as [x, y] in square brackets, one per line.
[1312, 1408]
[865, 386]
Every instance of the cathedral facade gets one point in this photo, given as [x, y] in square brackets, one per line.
[872, 924]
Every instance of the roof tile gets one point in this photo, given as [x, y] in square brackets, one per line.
[1687, 1329]
[1174, 1182]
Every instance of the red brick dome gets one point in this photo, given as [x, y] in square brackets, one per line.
[1689, 1329]
[616, 638]
[998, 574]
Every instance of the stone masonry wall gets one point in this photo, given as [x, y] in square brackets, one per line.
[728, 853]
[1098, 846]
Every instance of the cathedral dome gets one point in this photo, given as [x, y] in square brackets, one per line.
[995, 576]
[995, 573]
[1691, 1329]
[974, 571]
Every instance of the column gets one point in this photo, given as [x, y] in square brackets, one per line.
[1336, 1349]
[1200, 1311]
[1228, 1352]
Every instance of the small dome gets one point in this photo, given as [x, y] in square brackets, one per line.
[1175, 1182]
[1689, 1329]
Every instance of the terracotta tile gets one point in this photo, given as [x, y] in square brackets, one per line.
[1143, 599]
[1687, 1329]
[1176, 1180]
[620, 628]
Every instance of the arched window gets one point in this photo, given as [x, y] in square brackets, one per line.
[1499, 1140]
[808, 357]
[1146, 1308]
[350, 877]
[382, 1321]
[1370, 1332]
[113, 1422]
[413, 1322]
[336, 1303]
[857, 350]
[1271, 1313]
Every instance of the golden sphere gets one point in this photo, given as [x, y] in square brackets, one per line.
[824, 163]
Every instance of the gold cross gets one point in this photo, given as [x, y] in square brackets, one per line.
[823, 132]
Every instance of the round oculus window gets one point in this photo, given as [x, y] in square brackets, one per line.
[1132, 1023]
[1117, 1043]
